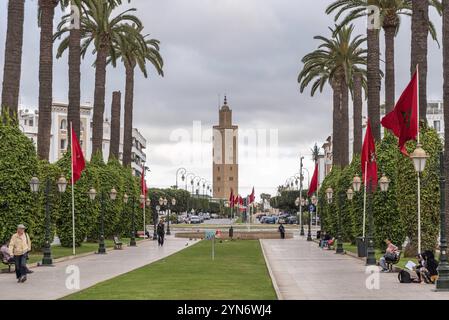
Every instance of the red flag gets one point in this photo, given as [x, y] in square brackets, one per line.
[252, 197]
[236, 200]
[240, 200]
[231, 199]
[403, 120]
[314, 183]
[78, 163]
[143, 186]
[369, 158]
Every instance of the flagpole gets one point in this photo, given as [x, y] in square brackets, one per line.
[144, 203]
[364, 200]
[73, 189]
[419, 176]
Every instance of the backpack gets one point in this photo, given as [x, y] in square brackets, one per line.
[404, 277]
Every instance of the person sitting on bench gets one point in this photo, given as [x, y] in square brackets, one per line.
[5, 253]
[324, 243]
[390, 255]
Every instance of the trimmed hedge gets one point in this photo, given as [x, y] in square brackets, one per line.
[394, 212]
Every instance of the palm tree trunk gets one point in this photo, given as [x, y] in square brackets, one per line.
[420, 32]
[336, 128]
[344, 124]
[73, 112]
[390, 32]
[358, 105]
[47, 8]
[13, 57]
[446, 105]
[128, 126]
[373, 78]
[99, 97]
[114, 146]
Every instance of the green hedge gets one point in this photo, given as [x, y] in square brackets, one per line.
[394, 212]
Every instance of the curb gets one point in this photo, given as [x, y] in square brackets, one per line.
[270, 272]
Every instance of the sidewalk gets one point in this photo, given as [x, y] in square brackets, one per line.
[303, 271]
[47, 283]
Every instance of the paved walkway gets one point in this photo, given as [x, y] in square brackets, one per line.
[304, 271]
[47, 283]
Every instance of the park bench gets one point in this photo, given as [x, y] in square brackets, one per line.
[392, 263]
[117, 243]
[9, 264]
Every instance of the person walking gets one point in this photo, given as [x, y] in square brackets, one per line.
[160, 233]
[282, 231]
[19, 246]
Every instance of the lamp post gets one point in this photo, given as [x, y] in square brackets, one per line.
[442, 283]
[329, 196]
[132, 242]
[47, 259]
[183, 172]
[309, 232]
[147, 205]
[419, 157]
[300, 216]
[173, 203]
[92, 194]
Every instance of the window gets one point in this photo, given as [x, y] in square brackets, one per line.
[30, 122]
[437, 125]
[230, 168]
[218, 189]
[231, 178]
[218, 169]
[63, 144]
[63, 125]
[218, 178]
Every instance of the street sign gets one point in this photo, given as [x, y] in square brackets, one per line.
[210, 235]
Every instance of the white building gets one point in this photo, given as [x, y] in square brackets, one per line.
[28, 122]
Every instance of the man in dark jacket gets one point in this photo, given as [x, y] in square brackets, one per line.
[282, 231]
[160, 233]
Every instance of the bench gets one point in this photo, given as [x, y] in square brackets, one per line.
[117, 243]
[392, 263]
[8, 263]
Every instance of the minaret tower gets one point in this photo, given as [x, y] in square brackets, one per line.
[225, 155]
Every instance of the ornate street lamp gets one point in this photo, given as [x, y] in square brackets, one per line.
[350, 194]
[356, 183]
[329, 195]
[92, 194]
[181, 171]
[47, 259]
[442, 283]
[384, 183]
[419, 157]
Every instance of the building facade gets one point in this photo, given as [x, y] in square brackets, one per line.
[60, 130]
[225, 155]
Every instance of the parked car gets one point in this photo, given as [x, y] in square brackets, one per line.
[214, 216]
[292, 220]
[269, 219]
[195, 220]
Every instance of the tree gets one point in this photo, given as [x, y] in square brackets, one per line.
[71, 23]
[13, 57]
[421, 26]
[46, 16]
[446, 105]
[104, 31]
[334, 62]
[114, 146]
[358, 80]
[135, 50]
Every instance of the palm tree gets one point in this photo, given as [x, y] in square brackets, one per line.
[135, 51]
[69, 25]
[335, 62]
[358, 82]
[13, 57]
[114, 145]
[421, 26]
[390, 12]
[99, 27]
[445, 12]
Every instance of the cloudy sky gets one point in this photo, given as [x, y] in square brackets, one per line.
[248, 49]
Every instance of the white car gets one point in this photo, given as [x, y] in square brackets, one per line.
[195, 220]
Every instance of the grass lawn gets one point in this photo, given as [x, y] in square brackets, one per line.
[238, 272]
[353, 248]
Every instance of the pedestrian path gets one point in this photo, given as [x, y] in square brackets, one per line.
[47, 283]
[303, 271]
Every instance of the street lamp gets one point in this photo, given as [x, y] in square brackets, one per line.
[384, 183]
[112, 195]
[442, 283]
[173, 203]
[419, 157]
[329, 194]
[181, 171]
[132, 242]
[356, 183]
[300, 215]
[47, 259]
[350, 194]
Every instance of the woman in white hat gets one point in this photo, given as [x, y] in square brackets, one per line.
[19, 246]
